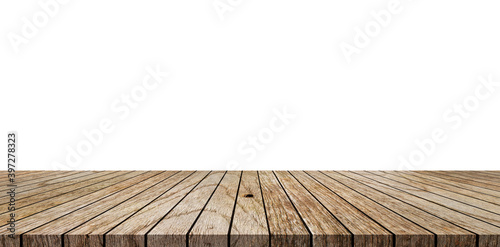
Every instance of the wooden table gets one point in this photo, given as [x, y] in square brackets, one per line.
[253, 208]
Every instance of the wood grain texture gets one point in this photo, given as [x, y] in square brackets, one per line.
[249, 226]
[40, 175]
[447, 234]
[132, 232]
[37, 207]
[36, 216]
[254, 208]
[366, 232]
[459, 206]
[91, 233]
[212, 226]
[54, 230]
[483, 178]
[175, 226]
[469, 181]
[42, 180]
[459, 186]
[488, 234]
[458, 196]
[406, 233]
[489, 172]
[454, 187]
[285, 225]
[44, 193]
[325, 229]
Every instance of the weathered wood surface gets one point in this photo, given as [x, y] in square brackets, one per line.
[254, 208]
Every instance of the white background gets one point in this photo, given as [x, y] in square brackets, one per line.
[227, 76]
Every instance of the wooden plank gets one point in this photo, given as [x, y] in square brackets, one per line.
[37, 207]
[458, 206]
[30, 178]
[39, 181]
[83, 200]
[34, 196]
[48, 185]
[132, 232]
[212, 227]
[486, 179]
[493, 173]
[249, 226]
[406, 232]
[450, 187]
[175, 226]
[52, 232]
[43, 183]
[460, 186]
[23, 178]
[91, 233]
[461, 180]
[285, 225]
[251, 208]
[325, 229]
[471, 175]
[442, 192]
[488, 235]
[18, 174]
[24, 171]
[447, 234]
[366, 232]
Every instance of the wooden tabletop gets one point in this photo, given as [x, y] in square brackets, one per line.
[253, 208]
